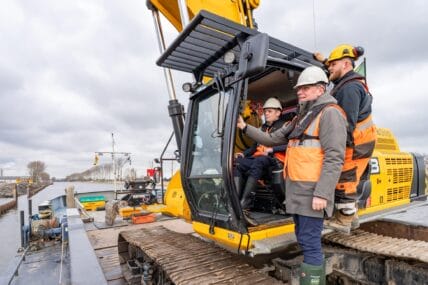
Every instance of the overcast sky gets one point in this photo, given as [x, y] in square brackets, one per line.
[73, 72]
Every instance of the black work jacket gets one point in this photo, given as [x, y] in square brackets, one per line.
[352, 96]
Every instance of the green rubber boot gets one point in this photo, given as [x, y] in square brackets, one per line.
[312, 274]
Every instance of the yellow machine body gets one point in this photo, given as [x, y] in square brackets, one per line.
[238, 11]
[175, 203]
[391, 174]
[237, 241]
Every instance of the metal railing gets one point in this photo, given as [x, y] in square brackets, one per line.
[12, 270]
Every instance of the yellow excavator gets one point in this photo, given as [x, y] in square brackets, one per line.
[232, 62]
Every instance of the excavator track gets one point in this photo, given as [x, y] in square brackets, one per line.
[382, 245]
[161, 256]
[366, 257]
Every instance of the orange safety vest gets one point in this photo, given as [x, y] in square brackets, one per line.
[304, 156]
[357, 156]
[261, 149]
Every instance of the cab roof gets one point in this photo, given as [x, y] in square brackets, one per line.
[199, 48]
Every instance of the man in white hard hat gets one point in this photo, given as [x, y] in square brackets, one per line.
[314, 159]
[254, 163]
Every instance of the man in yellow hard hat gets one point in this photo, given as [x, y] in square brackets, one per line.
[352, 94]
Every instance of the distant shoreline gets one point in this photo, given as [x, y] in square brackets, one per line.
[6, 189]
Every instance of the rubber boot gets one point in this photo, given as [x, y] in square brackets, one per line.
[342, 218]
[246, 200]
[250, 186]
[312, 274]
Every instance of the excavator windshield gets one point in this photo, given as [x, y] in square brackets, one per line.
[205, 166]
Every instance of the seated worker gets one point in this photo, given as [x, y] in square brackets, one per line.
[256, 161]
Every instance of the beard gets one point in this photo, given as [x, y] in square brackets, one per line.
[334, 76]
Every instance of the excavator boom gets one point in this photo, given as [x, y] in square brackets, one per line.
[239, 11]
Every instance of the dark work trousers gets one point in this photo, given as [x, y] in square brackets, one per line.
[256, 167]
[308, 234]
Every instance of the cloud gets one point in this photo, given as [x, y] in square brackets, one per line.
[72, 73]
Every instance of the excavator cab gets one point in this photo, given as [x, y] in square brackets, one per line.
[243, 65]
[209, 137]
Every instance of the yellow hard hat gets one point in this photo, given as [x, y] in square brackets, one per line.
[342, 51]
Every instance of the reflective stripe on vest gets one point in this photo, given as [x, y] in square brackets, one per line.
[365, 124]
[364, 137]
[357, 156]
[305, 157]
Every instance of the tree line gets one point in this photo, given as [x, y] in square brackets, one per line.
[103, 172]
[37, 171]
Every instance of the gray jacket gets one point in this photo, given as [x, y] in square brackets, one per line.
[332, 134]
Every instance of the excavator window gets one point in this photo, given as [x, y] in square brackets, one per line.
[206, 144]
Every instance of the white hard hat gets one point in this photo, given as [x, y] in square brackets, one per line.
[311, 75]
[272, 103]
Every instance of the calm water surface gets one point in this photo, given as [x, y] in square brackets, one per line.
[10, 239]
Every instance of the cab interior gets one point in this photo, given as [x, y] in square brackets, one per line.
[269, 200]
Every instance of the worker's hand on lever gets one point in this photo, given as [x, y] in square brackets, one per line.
[241, 123]
[319, 204]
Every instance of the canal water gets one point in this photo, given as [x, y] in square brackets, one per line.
[10, 239]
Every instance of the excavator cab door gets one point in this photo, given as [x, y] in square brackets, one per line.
[204, 150]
